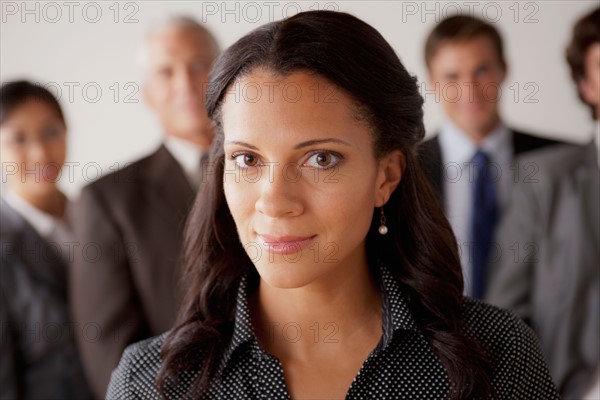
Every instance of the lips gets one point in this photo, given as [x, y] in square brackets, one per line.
[285, 244]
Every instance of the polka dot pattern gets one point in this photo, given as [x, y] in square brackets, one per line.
[402, 366]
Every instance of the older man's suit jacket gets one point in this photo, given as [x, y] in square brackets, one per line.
[125, 279]
[549, 272]
[38, 356]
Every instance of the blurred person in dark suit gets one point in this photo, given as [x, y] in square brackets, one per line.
[38, 356]
[469, 160]
[135, 216]
[551, 278]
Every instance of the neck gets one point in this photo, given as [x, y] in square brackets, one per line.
[478, 134]
[53, 202]
[337, 309]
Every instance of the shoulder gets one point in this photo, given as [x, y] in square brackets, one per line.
[121, 187]
[122, 177]
[556, 159]
[12, 223]
[17, 236]
[526, 141]
[429, 148]
[135, 376]
[550, 173]
[136, 373]
[519, 368]
[493, 325]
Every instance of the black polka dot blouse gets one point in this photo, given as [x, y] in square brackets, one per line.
[402, 365]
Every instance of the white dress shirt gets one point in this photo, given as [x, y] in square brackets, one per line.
[54, 229]
[457, 152]
[188, 155]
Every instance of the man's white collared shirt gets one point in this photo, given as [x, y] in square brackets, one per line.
[458, 178]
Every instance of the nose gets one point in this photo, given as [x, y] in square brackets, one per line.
[477, 86]
[281, 195]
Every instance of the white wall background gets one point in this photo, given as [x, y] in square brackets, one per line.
[79, 47]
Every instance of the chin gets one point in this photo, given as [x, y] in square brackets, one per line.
[38, 189]
[475, 124]
[285, 275]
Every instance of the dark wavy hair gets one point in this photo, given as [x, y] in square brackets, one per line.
[586, 32]
[420, 250]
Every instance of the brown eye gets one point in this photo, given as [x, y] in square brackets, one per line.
[249, 160]
[323, 159]
[165, 72]
[246, 160]
[18, 139]
[51, 133]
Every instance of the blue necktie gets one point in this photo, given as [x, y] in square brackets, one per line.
[485, 217]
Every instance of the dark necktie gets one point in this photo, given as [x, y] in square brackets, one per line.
[483, 222]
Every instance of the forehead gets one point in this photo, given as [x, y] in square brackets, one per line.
[32, 110]
[262, 106]
[463, 52]
[176, 41]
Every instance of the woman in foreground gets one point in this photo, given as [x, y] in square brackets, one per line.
[319, 264]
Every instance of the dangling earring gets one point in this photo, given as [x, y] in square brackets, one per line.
[382, 228]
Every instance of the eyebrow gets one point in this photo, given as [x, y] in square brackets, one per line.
[296, 147]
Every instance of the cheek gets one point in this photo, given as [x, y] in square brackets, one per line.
[58, 152]
[491, 92]
[240, 201]
[352, 216]
[199, 80]
[158, 94]
[347, 204]
[9, 156]
[453, 93]
[595, 82]
[12, 163]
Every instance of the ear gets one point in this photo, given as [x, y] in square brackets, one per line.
[504, 67]
[390, 171]
[431, 84]
[147, 96]
[587, 92]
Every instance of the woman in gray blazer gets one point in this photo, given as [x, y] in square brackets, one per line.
[38, 358]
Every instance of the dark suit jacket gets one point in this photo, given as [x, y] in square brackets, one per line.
[125, 279]
[430, 155]
[38, 356]
[550, 275]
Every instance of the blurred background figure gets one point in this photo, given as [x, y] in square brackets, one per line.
[469, 160]
[552, 277]
[38, 357]
[135, 216]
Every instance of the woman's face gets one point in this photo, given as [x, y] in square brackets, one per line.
[301, 179]
[33, 148]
